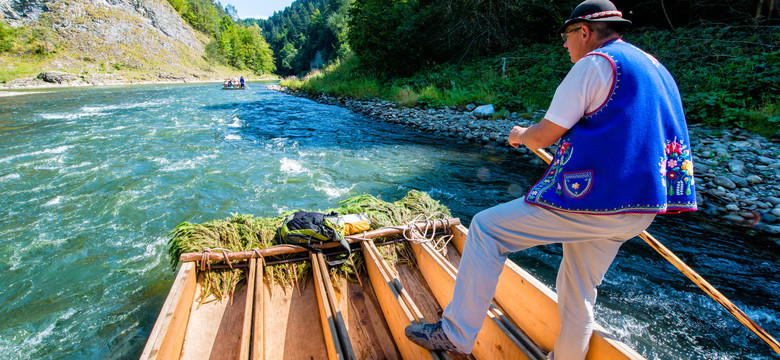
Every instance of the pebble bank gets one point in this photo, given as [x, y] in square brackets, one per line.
[737, 173]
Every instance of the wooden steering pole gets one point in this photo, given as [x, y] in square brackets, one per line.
[696, 278]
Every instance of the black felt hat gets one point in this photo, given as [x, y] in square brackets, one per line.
[594, 10]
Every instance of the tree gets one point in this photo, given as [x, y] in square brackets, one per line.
[254, 50]
[179, 5]
[286, 58]
[235, 43]
[434, 31]
[386, 36]
[264, 61]
[203, 15]
[338, 24]
[231, 11]
[308, 32]
[226, 36]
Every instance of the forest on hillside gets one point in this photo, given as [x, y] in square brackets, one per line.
[232, 42]
[400, 37]
[725, 55]
[436, 31]
[395, 38]
[307, 35]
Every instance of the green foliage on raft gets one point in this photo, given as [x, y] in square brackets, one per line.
[246, 232]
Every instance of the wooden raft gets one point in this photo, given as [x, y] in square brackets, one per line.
[335, 319]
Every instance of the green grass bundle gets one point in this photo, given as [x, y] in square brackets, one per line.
[246, 232]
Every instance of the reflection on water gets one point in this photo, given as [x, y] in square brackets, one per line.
[94, 179]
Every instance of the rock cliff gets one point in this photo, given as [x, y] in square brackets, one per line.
[98, 39]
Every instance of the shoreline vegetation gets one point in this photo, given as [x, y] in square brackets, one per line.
[728, 76]
[87, 43]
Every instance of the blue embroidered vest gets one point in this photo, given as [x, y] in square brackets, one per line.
[632, 154]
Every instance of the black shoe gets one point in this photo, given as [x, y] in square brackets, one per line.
[431, 337]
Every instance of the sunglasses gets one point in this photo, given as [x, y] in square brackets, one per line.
[564, 35]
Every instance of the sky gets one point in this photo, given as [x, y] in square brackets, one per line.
[257, 8]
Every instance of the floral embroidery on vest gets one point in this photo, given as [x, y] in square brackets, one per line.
[676, 168]
[562, 156]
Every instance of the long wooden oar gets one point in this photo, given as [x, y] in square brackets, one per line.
[696, 278]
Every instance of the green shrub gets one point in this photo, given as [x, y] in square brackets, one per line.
[7, 37]
[728, 76]
[213, 54]
[341, 78]
[404, 96]
[460, 96]
[431, 97]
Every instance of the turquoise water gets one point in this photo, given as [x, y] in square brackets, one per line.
[92, 180]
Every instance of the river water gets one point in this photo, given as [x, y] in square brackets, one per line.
[92, 181]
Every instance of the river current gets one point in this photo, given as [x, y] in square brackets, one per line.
[93, 180]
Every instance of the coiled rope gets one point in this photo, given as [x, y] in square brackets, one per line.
[415, 232]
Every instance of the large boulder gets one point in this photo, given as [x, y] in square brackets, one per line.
[484, 111]
[57, 77]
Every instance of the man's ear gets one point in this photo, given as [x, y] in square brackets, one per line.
[587, 32]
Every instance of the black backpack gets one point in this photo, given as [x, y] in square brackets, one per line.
[304, 228]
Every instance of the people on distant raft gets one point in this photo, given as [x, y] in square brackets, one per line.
[623, 156]
[242, 82]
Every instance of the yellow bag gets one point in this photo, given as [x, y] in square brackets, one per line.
[356, 223]
[357, 227]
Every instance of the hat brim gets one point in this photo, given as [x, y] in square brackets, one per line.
[607, 18]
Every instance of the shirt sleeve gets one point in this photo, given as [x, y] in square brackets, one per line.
[584, 90]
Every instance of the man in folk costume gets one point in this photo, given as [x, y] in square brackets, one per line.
[623, 156]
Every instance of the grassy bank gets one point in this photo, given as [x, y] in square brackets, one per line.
[728, 77]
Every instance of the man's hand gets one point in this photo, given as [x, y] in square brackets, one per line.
[515, 136]
[539, 135]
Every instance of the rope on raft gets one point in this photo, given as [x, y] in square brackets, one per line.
[205, 263]
[416, 234]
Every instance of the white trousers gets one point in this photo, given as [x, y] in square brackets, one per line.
[590, 243]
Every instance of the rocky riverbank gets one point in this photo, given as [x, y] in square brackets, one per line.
[737, 173]
[53, 79]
